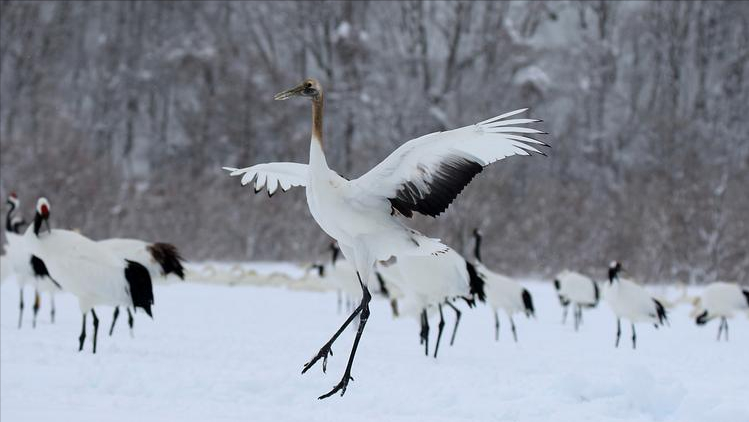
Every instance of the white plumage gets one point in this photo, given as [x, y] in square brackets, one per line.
[25, 268]
[427, 282]
[424, 175]
[632, 302]
[502, 292]
[577, 290]
[721, 300]
[87, 270]
[340, 275]
[160, 259]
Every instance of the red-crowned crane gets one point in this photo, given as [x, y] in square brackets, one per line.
[423, 175]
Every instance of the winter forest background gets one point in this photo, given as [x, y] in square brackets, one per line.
[122, 113]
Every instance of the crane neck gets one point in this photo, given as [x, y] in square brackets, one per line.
[316, 154]
[318, 104]
[477, 247]
[9, 217]
[38, 220]
[613, 275]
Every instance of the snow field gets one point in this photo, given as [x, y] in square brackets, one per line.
[225, 353]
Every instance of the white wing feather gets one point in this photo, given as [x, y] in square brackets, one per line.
[272, 176]
[428, 160]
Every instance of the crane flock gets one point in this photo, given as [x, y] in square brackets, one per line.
[373, 248]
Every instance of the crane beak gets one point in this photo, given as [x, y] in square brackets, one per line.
[293, 92]
[49, 229]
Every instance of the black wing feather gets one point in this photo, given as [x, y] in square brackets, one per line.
[446, 183]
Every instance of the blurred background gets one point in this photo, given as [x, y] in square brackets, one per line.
[122, 114]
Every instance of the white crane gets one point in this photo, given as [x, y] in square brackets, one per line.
[160, 259]
[27, 268]
[577, 290]
[339, 274]
[631, 301]
[424, 175]
[430, 281]
[720, 300]
[89, 271]
[502, 292]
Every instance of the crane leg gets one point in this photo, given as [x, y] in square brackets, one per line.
[496, 326]
[634, 337]
[440, 328]
[114, 319]
[425, 331]
[130, 321]
[618, 331]
[83, 334]
[35, 308]
[458, 314]
[325, 351]
[20, 310]
[725, 328]
[96, 327]
[52, 305]
[565, 309]
[339, 300]
[514, 333]
[363, 317]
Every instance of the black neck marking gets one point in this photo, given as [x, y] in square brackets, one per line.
[477, 247]
[9, 217]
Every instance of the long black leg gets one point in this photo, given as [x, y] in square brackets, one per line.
[581, 316]
[634, 337]
[440, 327]
[130, 321]
[514, 333]
[340, 300]
[618, 331]
[35, 308]
[20, 310]
[458, 314]
[363, 317]
[421, 327]
[565, 309]
[83, 333]
[724, 324]
[52, 304]
[114, 319]
[96, 326]
[325, 349]
[725, 328]
[720, 329]
[425, 331]
[574, 316]
[496, 326]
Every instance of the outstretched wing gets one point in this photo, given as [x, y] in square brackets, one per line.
[425, 174]
[272, 176]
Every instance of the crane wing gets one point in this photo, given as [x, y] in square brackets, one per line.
[272, 176]
[425, 174]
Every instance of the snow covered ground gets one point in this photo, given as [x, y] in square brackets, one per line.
[223, 353]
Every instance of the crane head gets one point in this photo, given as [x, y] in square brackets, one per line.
[13, 199]
[42, 207]
[309, 88]
[42, 215]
